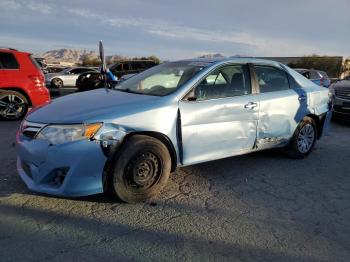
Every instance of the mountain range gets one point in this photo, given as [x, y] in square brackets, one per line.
[77, 55]
[72, 55]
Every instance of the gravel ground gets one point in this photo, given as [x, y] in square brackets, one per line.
[257, 207]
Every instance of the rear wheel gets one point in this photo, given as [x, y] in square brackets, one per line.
[141, 169]
[13, 105]
[57, 83]
[303, 140]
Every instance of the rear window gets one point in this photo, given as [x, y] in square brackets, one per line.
[8, 61]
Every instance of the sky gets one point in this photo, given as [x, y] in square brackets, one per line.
[179, 29]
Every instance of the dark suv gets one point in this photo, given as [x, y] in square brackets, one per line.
[340, 92]
[130, 67]
[122, 69]
[21, 84]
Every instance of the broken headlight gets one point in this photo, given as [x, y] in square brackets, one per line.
[59, 134]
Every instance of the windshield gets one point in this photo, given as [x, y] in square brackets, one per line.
[163, 79]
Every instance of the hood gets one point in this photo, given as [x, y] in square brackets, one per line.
[342, 84]
[96, 105]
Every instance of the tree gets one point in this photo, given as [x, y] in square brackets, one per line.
[90, 61]
[332, 65]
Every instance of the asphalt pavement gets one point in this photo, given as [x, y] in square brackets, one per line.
[257, 207]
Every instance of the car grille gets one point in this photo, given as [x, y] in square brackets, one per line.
[343, 93]
[30, 129]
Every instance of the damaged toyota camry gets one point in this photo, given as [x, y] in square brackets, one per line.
[126, 140]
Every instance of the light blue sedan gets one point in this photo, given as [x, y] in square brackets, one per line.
[128, 139]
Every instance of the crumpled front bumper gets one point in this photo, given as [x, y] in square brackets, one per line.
[71, 170]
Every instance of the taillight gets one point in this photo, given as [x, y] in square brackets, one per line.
[322, 81]
[38, 80]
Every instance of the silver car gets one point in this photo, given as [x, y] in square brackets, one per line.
[127, 140]
[66, 77]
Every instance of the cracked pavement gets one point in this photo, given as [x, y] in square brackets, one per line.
[257, 207]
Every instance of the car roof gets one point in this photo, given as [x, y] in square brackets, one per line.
[12, 50]
[222, 60]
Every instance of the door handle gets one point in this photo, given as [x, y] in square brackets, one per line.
[250, 105]
[302, 98]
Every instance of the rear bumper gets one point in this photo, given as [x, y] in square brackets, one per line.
[39, 96]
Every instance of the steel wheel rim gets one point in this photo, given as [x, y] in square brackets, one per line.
[306, 138]
[12, 106]
[143, 171]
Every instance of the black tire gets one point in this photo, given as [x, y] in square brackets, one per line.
[303, 140]
[13, 105]
[140, 170]
[57, 83]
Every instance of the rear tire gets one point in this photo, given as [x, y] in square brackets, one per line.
[57, 83]
[303, 140]
[13, 105]
[140, 170]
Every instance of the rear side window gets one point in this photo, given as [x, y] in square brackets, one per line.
[8, 61]
[271, 79]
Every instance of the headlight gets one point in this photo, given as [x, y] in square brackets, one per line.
[58, 134]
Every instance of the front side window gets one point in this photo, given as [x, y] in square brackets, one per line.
[271, 79]
[8, 61]
[228, 81]
[161, 80]
[306, 74]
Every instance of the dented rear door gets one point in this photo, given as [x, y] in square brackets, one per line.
[281, 107]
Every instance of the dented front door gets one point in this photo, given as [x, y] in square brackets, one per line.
[218, 128]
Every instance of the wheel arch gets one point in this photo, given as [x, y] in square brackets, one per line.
[319, 124]
[162, 138]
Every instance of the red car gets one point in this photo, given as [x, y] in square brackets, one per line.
[22, 84]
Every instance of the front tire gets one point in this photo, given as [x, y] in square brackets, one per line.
[141, 169]
[13, 105]
[303, 140]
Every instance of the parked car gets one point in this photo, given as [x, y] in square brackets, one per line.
[21, 84]
[67, 77]
[122, 70]
[340, 91]
[54, 69]
[127, 140]
[318, 77]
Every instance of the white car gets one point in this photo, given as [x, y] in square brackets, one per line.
[66, 77]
